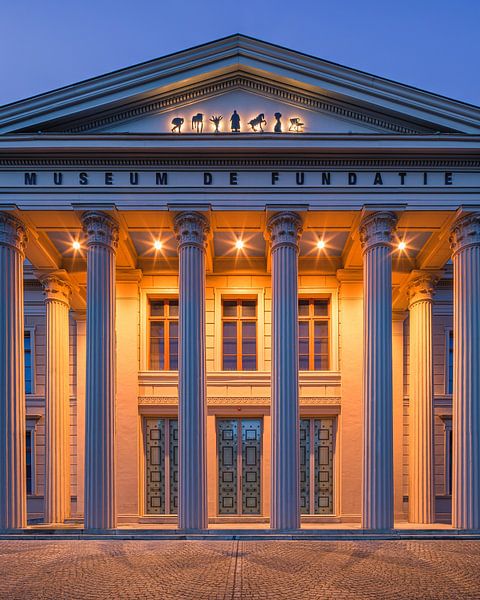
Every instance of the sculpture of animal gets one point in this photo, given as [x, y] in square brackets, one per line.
[258, 122]
[177, 123]
[197, 122]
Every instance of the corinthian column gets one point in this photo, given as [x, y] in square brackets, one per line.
[57, 400]
[377, 498]
[191, 230]
[421, 499]
[13, 510]
[284, 230]
[465, 242]
[102, 240]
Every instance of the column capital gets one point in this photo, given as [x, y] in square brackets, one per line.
[56, 288]
[191, 229]
[284, 229]
[377, 229]
[465, 232]
[13, 232]
[422, 287]
[101, 229]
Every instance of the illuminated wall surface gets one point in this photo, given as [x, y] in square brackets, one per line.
[245, 319]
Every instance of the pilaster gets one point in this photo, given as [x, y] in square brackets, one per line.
[377, 491]
[57, 398]
[13, 509]
[102, 241]
[284, 230]
[421, 499]
[191, 230]
[465, 244]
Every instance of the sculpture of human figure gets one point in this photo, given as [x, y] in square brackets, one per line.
[278, 124]
[235, 122]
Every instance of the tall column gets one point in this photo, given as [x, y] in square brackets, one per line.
[465, 242]
[13, 499]
[377, 497]
[284, 230]
[191, 230]
[421, 499]
[102, 241]
[57, 400]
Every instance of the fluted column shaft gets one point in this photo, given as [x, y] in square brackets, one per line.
[284, 230]
[13, 509]
[191, 230]
[102, 240]
[377, 490]
[57, 400]
[465, 242]
[421, 499]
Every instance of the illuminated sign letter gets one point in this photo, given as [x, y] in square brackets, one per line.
[161, 178]
[30, 179]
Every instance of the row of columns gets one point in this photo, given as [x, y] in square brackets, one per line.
[284, 230]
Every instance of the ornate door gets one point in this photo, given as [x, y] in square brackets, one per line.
[161, 466]
[239, 466]
[316, 466]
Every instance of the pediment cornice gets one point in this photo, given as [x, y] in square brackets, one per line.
[255, 85]
[328, 86]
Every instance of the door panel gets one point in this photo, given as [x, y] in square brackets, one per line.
[239, 466]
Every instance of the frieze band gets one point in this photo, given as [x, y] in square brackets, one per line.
[239, 178]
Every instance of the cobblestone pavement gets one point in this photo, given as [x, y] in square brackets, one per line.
[233, 570]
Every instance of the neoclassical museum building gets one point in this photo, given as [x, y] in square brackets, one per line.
[240, 287]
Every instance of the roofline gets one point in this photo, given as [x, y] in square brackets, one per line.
[144, 80]
[238, 36]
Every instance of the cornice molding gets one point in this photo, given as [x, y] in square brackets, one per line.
[247, 163]
[268, 89]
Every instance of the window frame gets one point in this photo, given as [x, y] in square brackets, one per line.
[239, 319]
[164, 319]
[31, 331]
[263, 327]
[311, 318]
[30, 427]
[448, 361]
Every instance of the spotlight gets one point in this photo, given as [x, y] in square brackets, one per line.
[158, 245]
[239, 244]
[76, 245]
[320, 244]
[402, 245]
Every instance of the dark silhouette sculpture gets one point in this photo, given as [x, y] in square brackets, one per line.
[258, 122]
[278, 124]
[215, 119]
[177, 123]
[235, 122]
[296, 125]
[197, 122]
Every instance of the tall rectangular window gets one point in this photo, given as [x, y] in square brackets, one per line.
[27, 340]
[29, 457]
[163, 335]
[313, 334]
[449, 370]
[239, 333]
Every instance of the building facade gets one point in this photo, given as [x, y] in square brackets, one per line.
[239, 284]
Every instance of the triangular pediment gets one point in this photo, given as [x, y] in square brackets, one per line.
[249, 76]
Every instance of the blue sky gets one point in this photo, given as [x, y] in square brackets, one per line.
[434, 45]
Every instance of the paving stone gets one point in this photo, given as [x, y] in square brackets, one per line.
[216, 570]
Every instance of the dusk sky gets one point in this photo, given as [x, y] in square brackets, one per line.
[431, 44]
